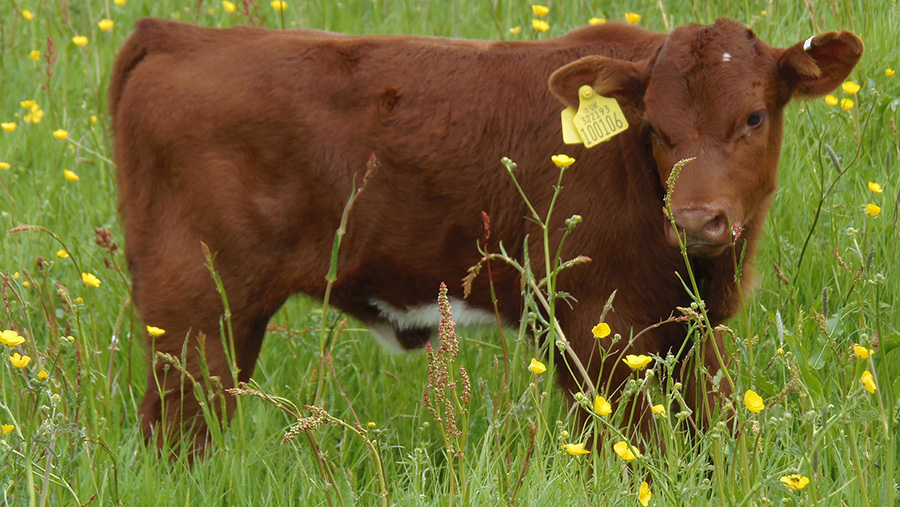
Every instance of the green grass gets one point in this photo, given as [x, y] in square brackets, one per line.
[76, 439]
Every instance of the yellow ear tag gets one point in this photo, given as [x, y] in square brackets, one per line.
[570, 134]
[598, 118]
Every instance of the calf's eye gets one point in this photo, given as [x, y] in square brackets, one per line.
[755, 120]
[654, 135]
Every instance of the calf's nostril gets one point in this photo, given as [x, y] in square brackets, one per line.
[717, 228]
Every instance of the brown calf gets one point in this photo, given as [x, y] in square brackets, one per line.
[249, 140]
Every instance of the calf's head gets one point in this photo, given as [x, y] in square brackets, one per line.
[715, 93]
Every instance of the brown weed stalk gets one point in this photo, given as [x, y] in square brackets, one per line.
[443, 398]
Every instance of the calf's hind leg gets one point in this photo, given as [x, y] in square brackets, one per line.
[170, 401]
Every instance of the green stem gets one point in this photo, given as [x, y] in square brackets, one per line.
[227, 336]
[379, 463]
[719, 466]
[29, 472]
[579, 366]
[332, 269]
[695, 290]
[549, 273]
[860, 479]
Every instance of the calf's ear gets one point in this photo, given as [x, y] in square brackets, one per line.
[819, 64]
[608, 77]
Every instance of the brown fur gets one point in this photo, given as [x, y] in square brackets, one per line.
[249, 140]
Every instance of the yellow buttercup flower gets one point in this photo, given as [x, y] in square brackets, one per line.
[4, 166]
[105, 24]
[229, 6]
[70, 176]
[7, 428]
[850, 87]
[155, 331]
[831, 100]
[753, 401]
[15, 275]
[862, 352]
[868, 381]
[60, 134]
[562, 160]
[795, 482]
[889, 72]
[279, 5]
[644, 494]
[27, 104]
[94, 119]
[26, 284]
[27, 14]
[540, 25]
[637, 362]
[19, 361]
[540, 10]
[875, 187]
[537, 367]
[575, 449]
[11, 338]
[90, 279]
[120, 3]
[42, 375]
[873, 210]
[35, 114]
[847, 104]
[596, 21]
[601, 406]
[79, 40]
[626, 452]
[780, 351]
[62, 254]
[8, 126]
[515, 30]
[659, 410]
[601, 330]
[34, 54]
[632, 17]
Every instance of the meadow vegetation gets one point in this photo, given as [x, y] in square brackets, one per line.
[816, 364]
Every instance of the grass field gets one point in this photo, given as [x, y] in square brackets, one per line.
[825, 283]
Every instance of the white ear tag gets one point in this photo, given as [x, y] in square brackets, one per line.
[807, 44]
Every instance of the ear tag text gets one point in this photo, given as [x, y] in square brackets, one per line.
[597, 120]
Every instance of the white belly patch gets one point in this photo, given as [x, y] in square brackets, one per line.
[423, 317]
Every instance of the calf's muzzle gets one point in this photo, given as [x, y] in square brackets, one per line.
[703, 229]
